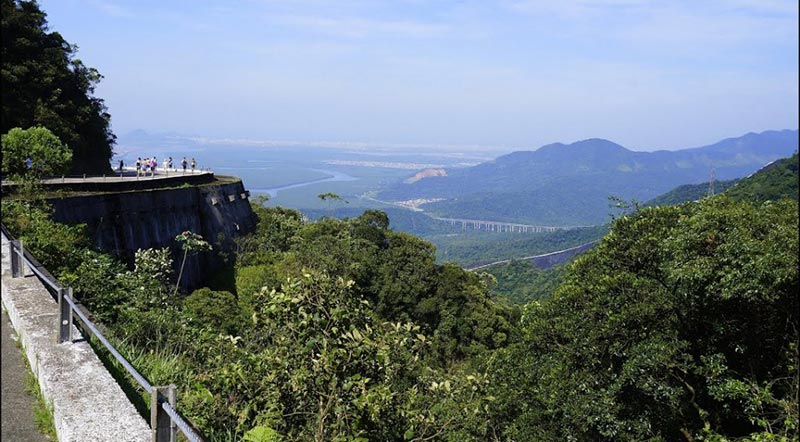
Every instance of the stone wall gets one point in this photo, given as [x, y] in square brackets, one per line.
[123, 222]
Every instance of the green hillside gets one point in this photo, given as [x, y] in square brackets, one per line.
[689, 192]
[773, 182]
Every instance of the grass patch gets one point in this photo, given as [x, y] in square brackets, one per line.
[42, 410]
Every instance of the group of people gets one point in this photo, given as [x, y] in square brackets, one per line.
[150, 164]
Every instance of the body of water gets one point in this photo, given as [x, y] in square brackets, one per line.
[332, 176]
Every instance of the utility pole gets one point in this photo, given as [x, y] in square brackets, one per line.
[711, 182]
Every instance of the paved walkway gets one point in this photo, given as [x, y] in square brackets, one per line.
[128, 174]
[17, 406]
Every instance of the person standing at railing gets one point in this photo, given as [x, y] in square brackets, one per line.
[153, 164]
[183, 164]
[138, 165]
[194, 163]
[121, 165]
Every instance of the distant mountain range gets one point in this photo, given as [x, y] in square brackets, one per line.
[569, 184]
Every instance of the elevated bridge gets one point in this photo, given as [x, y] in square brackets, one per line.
[498, 226]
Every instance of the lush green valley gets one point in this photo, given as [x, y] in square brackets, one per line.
[476, 248]
[470, 247]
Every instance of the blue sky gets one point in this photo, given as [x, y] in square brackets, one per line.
[646, 74]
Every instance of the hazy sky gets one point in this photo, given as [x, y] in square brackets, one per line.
[646, 74]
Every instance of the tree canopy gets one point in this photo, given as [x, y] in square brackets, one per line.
[44, 150]
[45, 85]
[680, 325]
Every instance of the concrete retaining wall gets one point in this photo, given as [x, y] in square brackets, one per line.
[124, 222]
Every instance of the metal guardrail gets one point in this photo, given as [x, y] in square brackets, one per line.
[164, 419]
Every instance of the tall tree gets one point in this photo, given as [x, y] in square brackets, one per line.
[35, 152]
[45, 85]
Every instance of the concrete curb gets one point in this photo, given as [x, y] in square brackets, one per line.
[88, 404]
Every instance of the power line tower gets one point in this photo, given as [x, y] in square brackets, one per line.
[711, 182]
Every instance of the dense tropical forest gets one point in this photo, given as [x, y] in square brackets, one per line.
[680, 325]
[44, 84]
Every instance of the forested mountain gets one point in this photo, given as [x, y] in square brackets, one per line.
[775, 181]
[45, 85]
[689, 192]
[570, 184]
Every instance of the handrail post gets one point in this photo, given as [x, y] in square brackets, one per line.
[65, 315]
[172, 397]
[16, 261]
[163, 429]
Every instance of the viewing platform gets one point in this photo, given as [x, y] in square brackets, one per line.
[127, 180]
